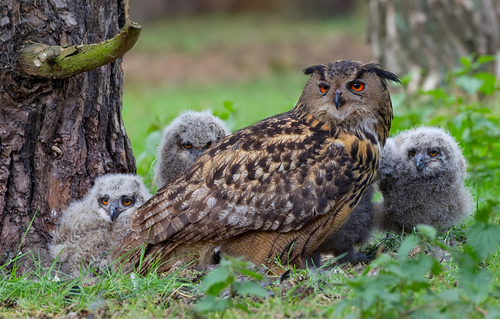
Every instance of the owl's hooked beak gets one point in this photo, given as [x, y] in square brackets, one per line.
[338, 99]
[114, 211]
[420, 161]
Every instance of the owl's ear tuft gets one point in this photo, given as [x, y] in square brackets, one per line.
[315, 68]
[381, 73]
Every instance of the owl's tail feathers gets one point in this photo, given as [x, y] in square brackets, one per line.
[136, 255]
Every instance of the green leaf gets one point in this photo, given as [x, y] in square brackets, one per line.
[218, 278]
[489, 82]
[242, 307]
[467, 260]
[408, 244]
[216, 288]
[250, 288]
[205, 304]
[211, 303]
[483, 238]
[381, 260]
[469, 84]
[476, 284]
[222, 115]
[417, 269]
[452, 295]
[427, 230]
[493, 312]
[251, 274]
[228, 105]
[437, 93]
[466, 61]
[486, 59]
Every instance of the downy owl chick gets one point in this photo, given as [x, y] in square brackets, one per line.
[421, 176]
[91, 228]
[183, 140]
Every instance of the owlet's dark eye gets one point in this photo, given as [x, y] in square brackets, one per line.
[127, 201]
[357, 86]
[413, 152]
[433, 153]
[187, 145]
[323, 87]
[209, 144]
[105, 200]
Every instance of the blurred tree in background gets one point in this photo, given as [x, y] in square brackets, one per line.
[407, 36]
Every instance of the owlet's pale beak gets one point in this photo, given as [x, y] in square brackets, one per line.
[114, 211]
[420, 161]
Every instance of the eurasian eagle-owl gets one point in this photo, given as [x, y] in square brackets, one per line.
[279, 188]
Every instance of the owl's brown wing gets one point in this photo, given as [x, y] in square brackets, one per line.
[276, 175]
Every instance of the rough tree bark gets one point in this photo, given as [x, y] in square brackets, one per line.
[56, 135]
[407, 36]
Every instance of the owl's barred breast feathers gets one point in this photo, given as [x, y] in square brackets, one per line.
[285, 171]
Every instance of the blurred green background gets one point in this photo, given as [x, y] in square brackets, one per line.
[249, 59]
[243, 60]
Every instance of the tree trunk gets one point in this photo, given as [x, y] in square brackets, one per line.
[56, 135]
[407, 36]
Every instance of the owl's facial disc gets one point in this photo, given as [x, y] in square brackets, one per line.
[424, 158]
[120, 205]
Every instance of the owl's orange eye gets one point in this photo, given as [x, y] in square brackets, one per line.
[433, 153]
[105, 200]
[323, 87]
[127, 201]
[357, 86]
[413, 152]
[209, 144]
[187, 145]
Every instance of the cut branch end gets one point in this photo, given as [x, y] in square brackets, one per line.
[58, 62]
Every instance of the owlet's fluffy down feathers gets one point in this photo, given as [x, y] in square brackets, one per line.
[422, 174]
[183, 140]
[278, 188]
[91, 228]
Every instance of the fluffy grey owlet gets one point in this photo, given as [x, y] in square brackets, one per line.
[183, 140]
[89, 229]
[421, 176]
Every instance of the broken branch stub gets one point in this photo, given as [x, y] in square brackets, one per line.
[58, 62]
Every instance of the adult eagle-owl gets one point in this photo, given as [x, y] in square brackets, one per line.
[276, 189]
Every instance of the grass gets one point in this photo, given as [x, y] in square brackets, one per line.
[462, 285]
[207, 32]
[389, 287]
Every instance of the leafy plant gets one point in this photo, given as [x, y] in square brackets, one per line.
[230, 277]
